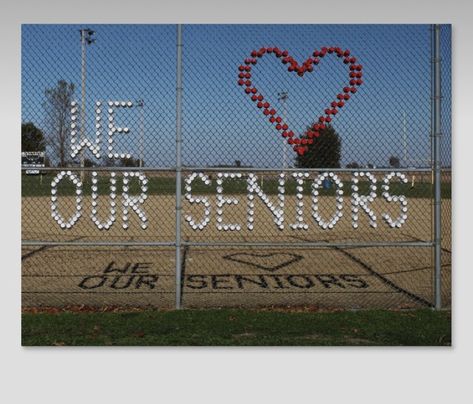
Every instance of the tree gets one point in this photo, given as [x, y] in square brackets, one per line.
[89, 163]
[353, 164]
[32, 138]
[324, 152]
[107, 161]
[121, 162]
[394, 162]
[57, 108]
[129, 162]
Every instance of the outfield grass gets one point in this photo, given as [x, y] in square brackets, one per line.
[229, 327]
[35, 186]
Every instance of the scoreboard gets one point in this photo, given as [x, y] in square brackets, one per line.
[33, 161]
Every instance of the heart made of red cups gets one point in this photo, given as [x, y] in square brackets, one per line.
[300, 144]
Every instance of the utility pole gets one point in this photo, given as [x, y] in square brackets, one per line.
[282, 97]
[85, 39]
[141, 104]
[404, 136]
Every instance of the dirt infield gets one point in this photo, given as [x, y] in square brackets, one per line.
[362, 277]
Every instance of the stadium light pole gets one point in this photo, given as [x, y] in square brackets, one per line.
[404, 137]
[141, 104]
[85, 39]
[282, 97]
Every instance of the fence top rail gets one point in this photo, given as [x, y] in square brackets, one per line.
[231, 169]
[53, 169]
[264, 169]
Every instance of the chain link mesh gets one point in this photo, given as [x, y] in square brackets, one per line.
[286, 130]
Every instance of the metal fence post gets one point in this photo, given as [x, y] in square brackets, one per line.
[82, 103]
[437, 165]
[178, 163]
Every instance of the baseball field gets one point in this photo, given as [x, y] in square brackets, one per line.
[97, 272]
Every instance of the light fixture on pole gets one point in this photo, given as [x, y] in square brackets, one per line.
[86, 38]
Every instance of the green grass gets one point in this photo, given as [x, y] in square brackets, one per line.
[228, 327]
[34, 186]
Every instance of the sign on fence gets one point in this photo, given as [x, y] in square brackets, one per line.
[35, 160]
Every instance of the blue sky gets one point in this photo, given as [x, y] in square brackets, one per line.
[220, 123]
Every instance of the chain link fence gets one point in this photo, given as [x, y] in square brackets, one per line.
[303, 173]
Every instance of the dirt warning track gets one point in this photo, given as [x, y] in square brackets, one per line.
[250, 276]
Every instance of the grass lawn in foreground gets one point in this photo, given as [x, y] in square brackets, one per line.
[236, 327]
